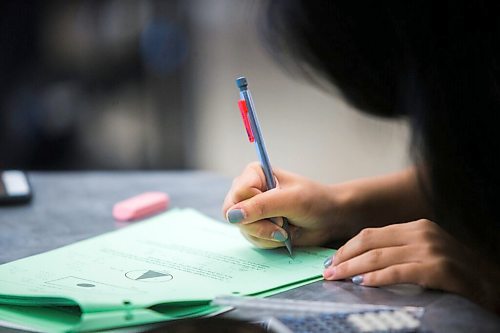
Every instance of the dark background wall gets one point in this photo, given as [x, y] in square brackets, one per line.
[149, 84]
[93, 84]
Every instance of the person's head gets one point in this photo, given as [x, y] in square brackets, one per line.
[436, 63]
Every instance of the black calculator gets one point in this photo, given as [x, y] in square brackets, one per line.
[301, 316]
[382, 321]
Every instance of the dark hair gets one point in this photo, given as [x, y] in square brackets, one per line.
[436, 63]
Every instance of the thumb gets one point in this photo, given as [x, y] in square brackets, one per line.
[272, 203]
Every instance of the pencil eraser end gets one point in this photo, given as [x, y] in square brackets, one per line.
[241, 82]
[140, 206]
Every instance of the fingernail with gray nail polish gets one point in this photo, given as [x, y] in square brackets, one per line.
[358, 279]
[327, 262]
[235, 216]
[278, 236]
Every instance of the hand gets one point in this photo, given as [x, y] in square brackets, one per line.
[311, 208]
[417, 252]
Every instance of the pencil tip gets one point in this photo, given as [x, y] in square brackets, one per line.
[288, 245]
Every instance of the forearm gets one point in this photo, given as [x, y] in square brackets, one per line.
[379, 201]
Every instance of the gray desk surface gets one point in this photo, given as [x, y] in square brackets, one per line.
[69, 207]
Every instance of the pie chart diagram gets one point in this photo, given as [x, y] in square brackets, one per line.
[145, 275]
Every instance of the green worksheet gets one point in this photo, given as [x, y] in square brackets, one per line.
[167, 267]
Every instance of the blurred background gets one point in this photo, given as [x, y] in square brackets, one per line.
[149, 85]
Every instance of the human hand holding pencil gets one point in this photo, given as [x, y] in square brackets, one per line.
[309, 207]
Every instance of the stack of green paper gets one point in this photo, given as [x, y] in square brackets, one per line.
[168, 267]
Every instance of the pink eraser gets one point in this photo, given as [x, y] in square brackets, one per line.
[140, 206]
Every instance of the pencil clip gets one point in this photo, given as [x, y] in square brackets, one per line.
[244, 114]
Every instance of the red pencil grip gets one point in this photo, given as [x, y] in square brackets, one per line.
[244, 114]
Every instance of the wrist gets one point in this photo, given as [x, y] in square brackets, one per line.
[346, 212]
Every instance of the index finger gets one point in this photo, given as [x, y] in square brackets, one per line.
[250, 183]
[369, 239]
